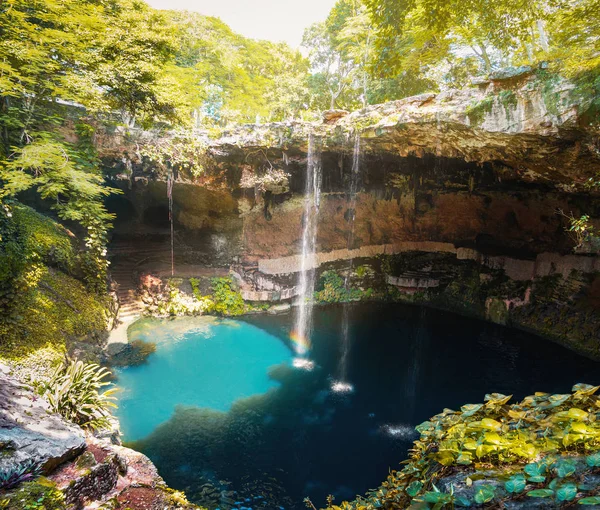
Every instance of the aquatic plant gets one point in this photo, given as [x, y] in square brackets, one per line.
[74, 391]
[539, 447]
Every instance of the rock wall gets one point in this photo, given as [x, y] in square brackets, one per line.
[83, 471]
[488, 175]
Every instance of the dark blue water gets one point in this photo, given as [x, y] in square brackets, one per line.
[295, 437]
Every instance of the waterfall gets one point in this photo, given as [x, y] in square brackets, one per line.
[342, 385]
[312, 197]
[170, 197]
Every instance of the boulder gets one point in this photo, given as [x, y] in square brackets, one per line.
[30, 434]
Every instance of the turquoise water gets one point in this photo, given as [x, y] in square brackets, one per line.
[202, 362]
[226, 416]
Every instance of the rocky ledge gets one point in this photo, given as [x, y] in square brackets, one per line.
[81, 470]
[540, 125]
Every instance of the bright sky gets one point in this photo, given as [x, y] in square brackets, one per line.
[274, 20]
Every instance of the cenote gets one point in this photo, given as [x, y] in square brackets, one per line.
[225, 416]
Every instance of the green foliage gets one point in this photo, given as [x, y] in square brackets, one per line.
[333, 289]
[484, 494]
[534, 440]
[229, 78]
[516, 484]
[17, 474]
[434, 38]
[227, 299]
[39, 302]
[39, 495]
[477, 111]
[180, 153]
[75, 392]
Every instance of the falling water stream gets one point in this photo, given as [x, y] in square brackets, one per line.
[312, 198]
[170, 197]
[342, 385]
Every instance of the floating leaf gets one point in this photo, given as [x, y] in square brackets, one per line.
[515, 484]
[541, 493]
[566, 492]
[484, 494]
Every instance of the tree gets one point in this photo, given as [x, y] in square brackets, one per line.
[497, 32]
[235, 79]
[61, 62]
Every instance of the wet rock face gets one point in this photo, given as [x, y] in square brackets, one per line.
[29, 433]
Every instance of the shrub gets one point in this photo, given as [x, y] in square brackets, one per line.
[227, 299]
[334, 290]
[545, 442]
[74, 391]
[18, 474]
[39, 495]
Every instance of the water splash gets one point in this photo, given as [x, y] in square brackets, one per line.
[312, 199]
[342, 384]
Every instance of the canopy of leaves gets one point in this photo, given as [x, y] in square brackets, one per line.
[230, 78]
[495, 33]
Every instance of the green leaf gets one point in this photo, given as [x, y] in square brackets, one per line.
[484, 494]
[414, 488]
[593, 460]
[577, 414]
[537, 479]
[566, 492]
[585, 389]
[535, 468]
[565, 467]
[470, 409]
[462, 502]
[515, 484]
[592, 500]
[541, 493]
[490, 424]
[465, 459]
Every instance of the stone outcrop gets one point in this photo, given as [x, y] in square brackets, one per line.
[84, 470]
[536, 124]
[489, 175]
[30, 435]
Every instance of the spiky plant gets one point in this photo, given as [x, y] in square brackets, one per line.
[75, 392]
[19, 473]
